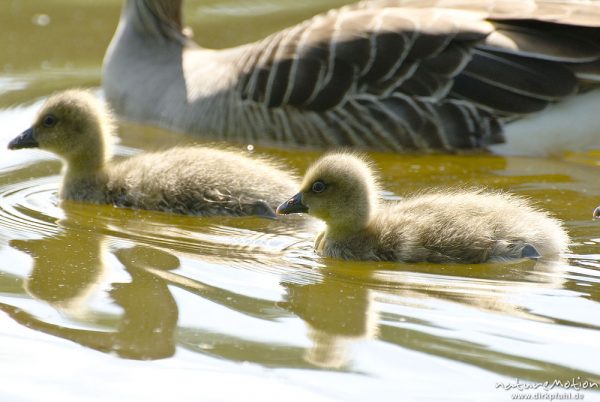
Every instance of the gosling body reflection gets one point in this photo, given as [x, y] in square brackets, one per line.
[443, 226]
[337, 315]
[185, 180]
[145, 330]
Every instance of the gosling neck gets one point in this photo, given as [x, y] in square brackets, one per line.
[351, 224]
[84, 176]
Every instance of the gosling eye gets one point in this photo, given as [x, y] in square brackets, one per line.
[318, 186]
[49, 121]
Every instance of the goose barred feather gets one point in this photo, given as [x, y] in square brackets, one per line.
[385, 75]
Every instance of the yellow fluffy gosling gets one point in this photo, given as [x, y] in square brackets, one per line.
[186, 180]
[444, 226]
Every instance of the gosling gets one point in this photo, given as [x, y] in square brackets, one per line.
[185, 180]
[445, 226]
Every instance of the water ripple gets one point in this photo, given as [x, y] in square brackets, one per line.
[29, 208]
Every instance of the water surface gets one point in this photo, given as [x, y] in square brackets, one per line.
[100, 303]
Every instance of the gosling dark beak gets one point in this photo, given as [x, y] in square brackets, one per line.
[596, 213]
[292, 206]
[24, 140]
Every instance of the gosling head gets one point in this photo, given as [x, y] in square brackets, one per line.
[72, 124]
[340, 189]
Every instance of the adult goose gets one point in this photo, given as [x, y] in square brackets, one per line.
[394, 75]
[443, 226]
[189, 180]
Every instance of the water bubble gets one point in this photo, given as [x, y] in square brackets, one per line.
[41, 20]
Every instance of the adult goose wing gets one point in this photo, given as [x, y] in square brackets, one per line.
[443, 75]
[390, 75]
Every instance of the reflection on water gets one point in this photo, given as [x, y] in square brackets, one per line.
[143, 285]
[145, 329]
[337, 314]
[97, 291]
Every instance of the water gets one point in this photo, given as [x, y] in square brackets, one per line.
[100, 303]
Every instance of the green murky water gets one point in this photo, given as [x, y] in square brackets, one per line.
[99, 303]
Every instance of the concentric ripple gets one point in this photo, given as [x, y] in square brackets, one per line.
[29, 208]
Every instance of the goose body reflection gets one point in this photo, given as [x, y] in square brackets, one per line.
[385, 75]
[443, 226]
[186, 180]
